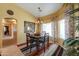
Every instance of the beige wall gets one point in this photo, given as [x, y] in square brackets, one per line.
[20, 15]
[0, 35]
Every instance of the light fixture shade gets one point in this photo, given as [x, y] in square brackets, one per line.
[38, 20]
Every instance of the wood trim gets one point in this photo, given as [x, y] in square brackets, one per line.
[21, 44]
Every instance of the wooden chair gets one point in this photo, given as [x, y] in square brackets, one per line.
[27, 38]
[30, 42]
[43, 40]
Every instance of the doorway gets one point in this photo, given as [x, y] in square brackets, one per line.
[9, 31]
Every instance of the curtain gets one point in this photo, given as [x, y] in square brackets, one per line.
[70, 27]
[67, 32]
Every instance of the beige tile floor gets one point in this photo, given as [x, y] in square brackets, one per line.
[12, 50]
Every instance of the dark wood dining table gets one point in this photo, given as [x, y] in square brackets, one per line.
[36, 39]
[34, 42]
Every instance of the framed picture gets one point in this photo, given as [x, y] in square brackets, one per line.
[29, 27]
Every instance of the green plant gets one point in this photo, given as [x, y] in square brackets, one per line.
[71, 51]
[77, 27]
[71, 46]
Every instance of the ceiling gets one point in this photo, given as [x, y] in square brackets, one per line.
[40, 9]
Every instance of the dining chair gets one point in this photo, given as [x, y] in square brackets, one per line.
[43, 40]
[27, 38]
[30, 42]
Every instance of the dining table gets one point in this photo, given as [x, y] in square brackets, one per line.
[36, 39]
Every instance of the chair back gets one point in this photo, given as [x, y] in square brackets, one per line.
[46, 36]
[27, 36]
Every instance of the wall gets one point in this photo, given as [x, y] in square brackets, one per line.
[0, 35]
[20, 15]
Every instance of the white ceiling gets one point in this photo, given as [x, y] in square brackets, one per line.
[47, 8]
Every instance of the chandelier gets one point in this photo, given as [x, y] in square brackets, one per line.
[38, 18]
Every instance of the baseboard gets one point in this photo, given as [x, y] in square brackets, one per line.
[21, 44]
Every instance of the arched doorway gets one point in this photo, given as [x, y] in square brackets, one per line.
[9, 31]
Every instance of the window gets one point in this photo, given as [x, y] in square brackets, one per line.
[62, 28]
[47, 27]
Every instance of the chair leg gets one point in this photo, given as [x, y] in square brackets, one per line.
[30, 50]
[44, 47]
[48, 43]
[27, 43]
[37, 47]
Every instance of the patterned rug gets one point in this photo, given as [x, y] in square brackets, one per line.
[34, 51]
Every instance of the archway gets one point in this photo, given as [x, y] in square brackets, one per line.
[9, 31]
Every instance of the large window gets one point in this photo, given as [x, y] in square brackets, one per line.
[62, 28]
[47, 27]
